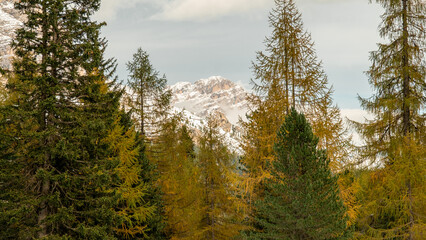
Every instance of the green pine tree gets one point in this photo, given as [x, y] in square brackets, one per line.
[63, 102]
[302, 199]
[148, 98]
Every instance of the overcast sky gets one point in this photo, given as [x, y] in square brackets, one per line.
[192, 39]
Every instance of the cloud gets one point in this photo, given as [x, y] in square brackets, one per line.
[357, 115]
[190, 10]
[202, 10]
[110, 8]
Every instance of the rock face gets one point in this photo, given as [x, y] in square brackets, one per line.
[10, 20]
[207, 96]
[216, 97]
[222, 121]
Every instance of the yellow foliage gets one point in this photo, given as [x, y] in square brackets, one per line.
[394, 197]
[179, 180]
[134, 211]
[349, 190]
[288, 74]
[222, 203]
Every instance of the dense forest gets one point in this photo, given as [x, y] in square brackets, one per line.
[84, 157]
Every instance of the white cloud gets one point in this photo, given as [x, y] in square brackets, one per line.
[358, 115]
[201, 10]
[109, 8]
[190, 10]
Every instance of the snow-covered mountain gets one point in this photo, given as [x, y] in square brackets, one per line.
[216, 97]
[215, 94]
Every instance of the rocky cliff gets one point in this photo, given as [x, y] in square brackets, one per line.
[216, 97]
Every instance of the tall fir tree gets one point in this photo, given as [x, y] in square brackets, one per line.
[148, 102]
[288, 74]
[394, 193]
[148, 98]
[302, 199]
[63, 102]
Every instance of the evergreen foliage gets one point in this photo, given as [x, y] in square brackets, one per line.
[73, 165]
[150, 176]
[288, 74]
[302, 199]
[148, 99]
[148, 102]
[63, 101]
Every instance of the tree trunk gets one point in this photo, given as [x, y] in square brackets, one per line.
[44, 209]
[293, 95]
[410, 202]
[142, 110]
[405, 71]
[43, 213]
[406, 128]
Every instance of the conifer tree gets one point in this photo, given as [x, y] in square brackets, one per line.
[302, 199]
[288, 74]
[63, 102]
[10, 181]
[134, 207]
[328, 125]
[397, 75]
[390, 207]
[222, 215]
[148, 99]
[394, 194]
[154, 196]
[179, 180]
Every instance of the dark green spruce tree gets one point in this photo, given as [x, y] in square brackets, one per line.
[302, 198]
[62, 103]
[150, 175]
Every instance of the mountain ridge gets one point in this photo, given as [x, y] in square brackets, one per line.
[216, 97]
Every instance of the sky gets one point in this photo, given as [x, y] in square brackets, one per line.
[188, 40]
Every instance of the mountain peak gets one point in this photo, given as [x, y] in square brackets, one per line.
[216, 97]
[213, 84]
[206, 96]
